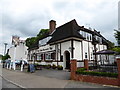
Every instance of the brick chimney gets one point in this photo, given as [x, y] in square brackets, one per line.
[52, 25]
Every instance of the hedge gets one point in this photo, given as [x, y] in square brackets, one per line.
[93, 73]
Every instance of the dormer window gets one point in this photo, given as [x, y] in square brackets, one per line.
[44, 41]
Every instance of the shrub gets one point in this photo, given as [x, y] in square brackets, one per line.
[54, 66]
[60, 67]
[81, 69]
[93, 73]
[48, 66]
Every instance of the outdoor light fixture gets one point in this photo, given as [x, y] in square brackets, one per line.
[71, 48]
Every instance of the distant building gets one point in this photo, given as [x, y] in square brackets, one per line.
[18, 50]
[119, 15]
[66, 42]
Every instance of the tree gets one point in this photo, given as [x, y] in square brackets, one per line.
[110, 44]
[42, 33]
[5, 57]
[33, 41]
[117, 49]
[117, 36]
[30, 41]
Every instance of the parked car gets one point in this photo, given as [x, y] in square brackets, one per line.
[18, 62]
[7, 62]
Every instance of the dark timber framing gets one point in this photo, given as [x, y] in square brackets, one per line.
[60, 51]
[72, 48]
[82, 49]
[89, 50]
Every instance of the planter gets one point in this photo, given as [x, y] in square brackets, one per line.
[38, 67]
[54, 66]
[48, 66]
[60, 67]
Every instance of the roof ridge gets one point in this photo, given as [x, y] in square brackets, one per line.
[66, 23]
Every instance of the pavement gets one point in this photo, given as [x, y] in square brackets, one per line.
[7, 84]
[35, 80]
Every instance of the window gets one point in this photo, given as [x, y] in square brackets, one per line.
[44, 41]
[100, 40]
[91, 55]
[48, 56]
[40, 57]
[90, 37]
[85, 55]
[87, 36]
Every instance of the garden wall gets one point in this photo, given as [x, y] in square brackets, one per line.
[94, 79]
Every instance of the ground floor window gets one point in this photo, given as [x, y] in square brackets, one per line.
[46, 56]
[40, 56]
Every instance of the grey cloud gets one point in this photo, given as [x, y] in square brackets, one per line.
[28, 26]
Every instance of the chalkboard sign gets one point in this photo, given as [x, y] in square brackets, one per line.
[32, 68]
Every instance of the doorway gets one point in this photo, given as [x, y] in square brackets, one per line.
[67, 59]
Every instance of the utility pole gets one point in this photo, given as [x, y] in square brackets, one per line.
[5, 48]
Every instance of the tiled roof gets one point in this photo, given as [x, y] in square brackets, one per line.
[67, 30]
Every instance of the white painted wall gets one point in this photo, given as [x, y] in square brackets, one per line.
[21, 52]
[85, 49]
[80, 64]
[77, 50]
[65, 47]
[91, 51]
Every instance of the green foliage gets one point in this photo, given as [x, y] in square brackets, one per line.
[117, 36]
[42, 32]
[33, 41]
[48, 66]
[117, 49]
[81, 69]
[54, 66]
[110, 45]
[30, 42]
[5, 57]
[93, 73]
[60, 67]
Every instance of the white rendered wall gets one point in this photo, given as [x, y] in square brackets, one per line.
[85, 49]
[21, 52]
[77, 50]
[80, 64]
[91, 48]
[65, 47]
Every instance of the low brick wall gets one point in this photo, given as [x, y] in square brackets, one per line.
[94, 79]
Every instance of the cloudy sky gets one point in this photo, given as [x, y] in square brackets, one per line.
[26, 17]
